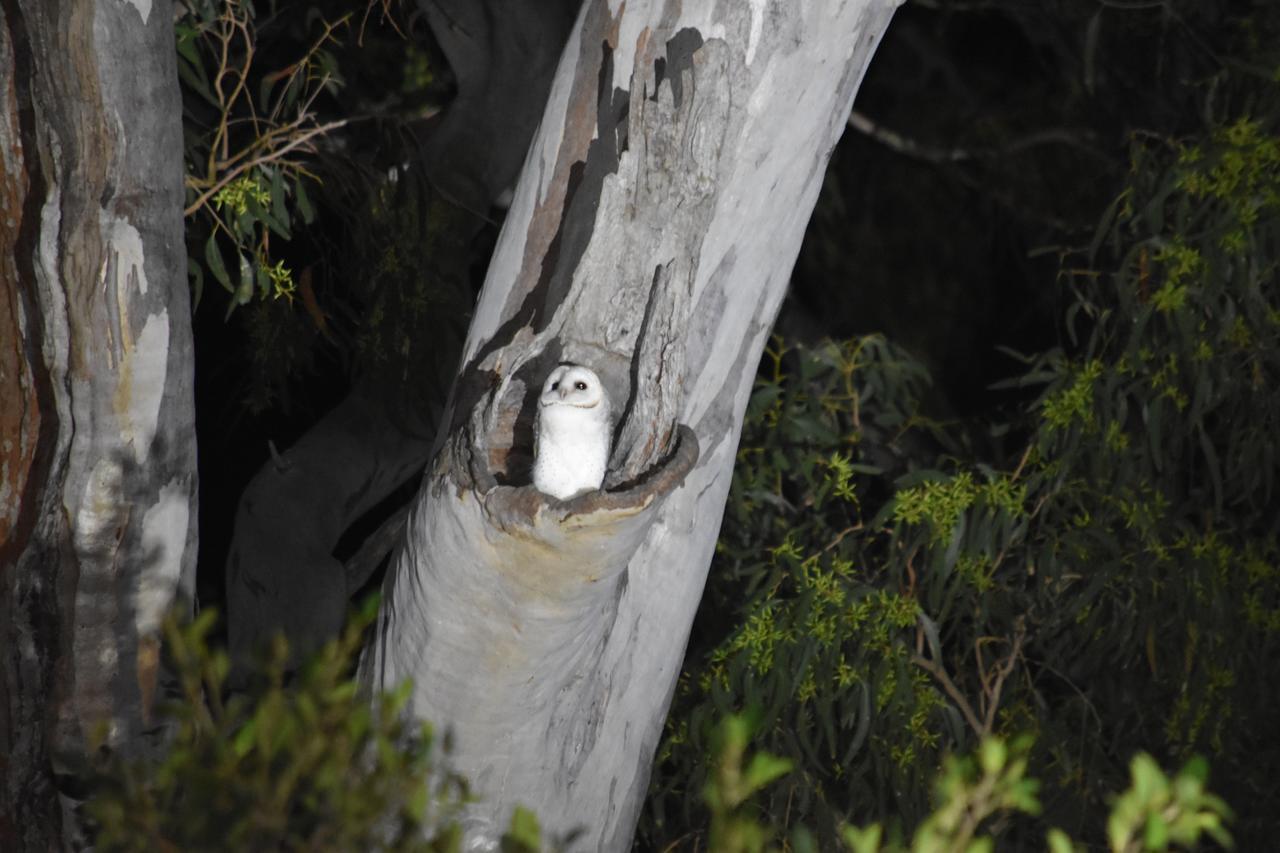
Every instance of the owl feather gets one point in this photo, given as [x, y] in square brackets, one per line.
[571, 441]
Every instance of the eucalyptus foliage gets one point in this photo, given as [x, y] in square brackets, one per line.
[974, 795]
[251, 142]
[308, 206]
[1100, 570]
[307, 765]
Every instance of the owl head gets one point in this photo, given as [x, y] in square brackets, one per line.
[573, 385]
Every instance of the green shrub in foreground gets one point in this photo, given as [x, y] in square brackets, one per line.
[312, 766]
[309, 765]
[971, 795]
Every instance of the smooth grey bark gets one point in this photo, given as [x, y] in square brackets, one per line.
[652, 233]
[97, 448]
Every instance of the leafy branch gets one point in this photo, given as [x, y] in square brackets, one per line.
[247, 171]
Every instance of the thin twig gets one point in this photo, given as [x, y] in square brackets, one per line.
[841, 535]
[991, 693]
[909, 147]
[951, 690]
[258, 161]
[1026, 454]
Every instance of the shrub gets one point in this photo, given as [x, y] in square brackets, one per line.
[1098, 569]
[973, 795]
[310, 765]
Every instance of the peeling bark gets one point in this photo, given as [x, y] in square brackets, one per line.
[97, 459]
[651, 237]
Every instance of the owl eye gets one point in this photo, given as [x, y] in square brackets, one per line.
[581, 386]
[555, 385]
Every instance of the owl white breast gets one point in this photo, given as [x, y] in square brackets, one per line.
[571, 441]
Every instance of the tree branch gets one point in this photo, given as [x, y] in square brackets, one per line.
[260, 160]
[1074, 137]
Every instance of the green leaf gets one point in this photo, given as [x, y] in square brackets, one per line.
[213, 259]
[304, 201]
[292, 90]
[244, 739]
[247, 277]
[1156, 834]
[1059, 841]
[524, 834]
[267, 83]
[420, 799]
[186, 42]
[763, 769]
[190, 68]
[244, 292]
[864, 840]
[278, 209]
[1193, 776]
[1149, 781]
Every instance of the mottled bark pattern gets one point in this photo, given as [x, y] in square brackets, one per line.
[97, 453]
[651, 237]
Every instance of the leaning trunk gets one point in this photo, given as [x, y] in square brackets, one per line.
[97, 454]
[651, 238]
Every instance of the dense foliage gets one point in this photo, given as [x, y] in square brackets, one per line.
[972, 796]
[310, 766]
[1099, 569]
[306, 765]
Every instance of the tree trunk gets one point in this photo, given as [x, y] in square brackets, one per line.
[651, 238]
[282, 575]
[97, 454]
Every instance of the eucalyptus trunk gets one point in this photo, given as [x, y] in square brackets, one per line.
[651, 237]
[97, 449]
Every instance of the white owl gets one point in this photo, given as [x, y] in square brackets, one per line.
[571, 441]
